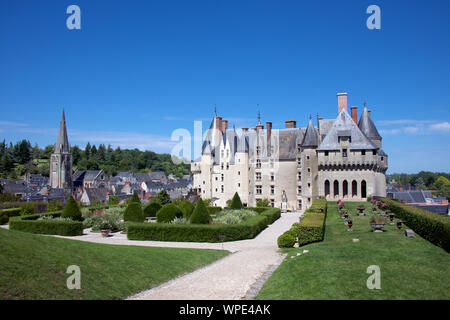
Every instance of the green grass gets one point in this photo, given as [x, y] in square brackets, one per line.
[34, 266]
[411, 268]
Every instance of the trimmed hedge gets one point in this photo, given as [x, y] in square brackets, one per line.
[310, 229]
[429, 225]
[5, 214]
[202, 232]
[32, 225]
[214, 210]
[168, 213]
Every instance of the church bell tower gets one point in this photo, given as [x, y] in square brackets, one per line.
[61, 160]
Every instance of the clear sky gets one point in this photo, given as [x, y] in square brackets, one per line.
[138, 70]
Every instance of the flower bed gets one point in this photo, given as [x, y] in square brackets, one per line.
[202, 232]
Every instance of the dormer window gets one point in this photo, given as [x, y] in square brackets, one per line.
[363, 152]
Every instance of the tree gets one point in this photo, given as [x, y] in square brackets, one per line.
[71, 210]
[113, 200]
[200, 215]
[135, 198]
[23, 152]
[236, 202]
[168, 213]
[163, 197]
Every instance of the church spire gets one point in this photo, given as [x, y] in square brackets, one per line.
[62, 144]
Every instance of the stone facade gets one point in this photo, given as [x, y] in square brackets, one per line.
[338, 159]
[61, 160]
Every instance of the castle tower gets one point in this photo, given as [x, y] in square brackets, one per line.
[61, 160]
[308, 165]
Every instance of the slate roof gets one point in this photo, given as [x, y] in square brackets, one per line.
[344, 126]
[366, 125]
[311, 138]
[157, 175]
[96, 194]
[62, 144]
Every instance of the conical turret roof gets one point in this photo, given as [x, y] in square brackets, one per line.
[311, 138]
[366, 125]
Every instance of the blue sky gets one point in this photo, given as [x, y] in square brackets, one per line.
[137, 70]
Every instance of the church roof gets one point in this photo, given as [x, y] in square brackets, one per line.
[311, 138]
[62, 144]
[345, 126]
[366, 125]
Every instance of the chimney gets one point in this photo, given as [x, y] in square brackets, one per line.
[224, 125]
[245, 129]
[219, 123]
[269, 129]
[290, 124]
[259, 126]
[355, 114]
[342, 101]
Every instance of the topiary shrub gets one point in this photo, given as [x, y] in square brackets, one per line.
[135, 198]
[134, 212]
[27, 208]
[71, 210]
[151, 209]
[236, 202]
[286, 240]
[187, 208]
[200, 215]
[168, 213]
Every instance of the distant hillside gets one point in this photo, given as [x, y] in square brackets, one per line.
[20, 158]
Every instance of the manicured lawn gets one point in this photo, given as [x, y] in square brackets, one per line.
[34, 267]
[411, 268]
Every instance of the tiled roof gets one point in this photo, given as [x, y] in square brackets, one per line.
[367, 127]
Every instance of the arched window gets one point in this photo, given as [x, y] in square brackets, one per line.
[336, 188]
[327, 188]
[345, 188]
[354, 188]
[363, 189]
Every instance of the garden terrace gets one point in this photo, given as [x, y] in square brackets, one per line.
[411, 268]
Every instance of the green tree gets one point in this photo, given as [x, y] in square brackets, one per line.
[263, 203]
[163, 197]
[236, 202]
[113, 200]
[71, 210]
[134, 212]
[200, 215]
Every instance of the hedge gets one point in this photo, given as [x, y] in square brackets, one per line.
[429, 225]
[214, 210]
[168, 213]
[202, 232]
[310, 229]
[32, 225]
[5, 214]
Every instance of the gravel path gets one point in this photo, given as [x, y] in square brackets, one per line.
[237, 276]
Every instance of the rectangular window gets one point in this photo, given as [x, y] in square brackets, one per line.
[258, 176]
[272, 177]
[258, 164]
[222, 176]
[374, 152]
[272, 203]
[344, 153]
[258, 189]
[222, 188]
[239, 173]
[363, 152]
[326, 153]
[272, 189]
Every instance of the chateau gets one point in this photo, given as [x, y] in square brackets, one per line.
[339, 158]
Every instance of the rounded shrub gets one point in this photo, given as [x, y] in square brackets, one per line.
[151, 209]
[187, 208]
[236, 202]
[200, 215]
[286, 240]
[71, 210]
[27, 208]
[168, 213]
[133, 213]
